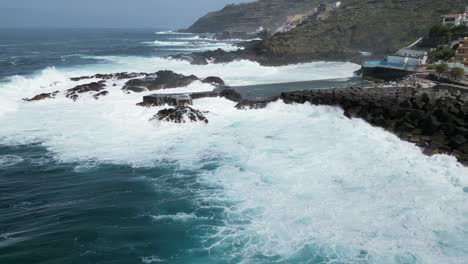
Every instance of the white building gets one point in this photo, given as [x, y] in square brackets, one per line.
[456, 19]
[407, 58]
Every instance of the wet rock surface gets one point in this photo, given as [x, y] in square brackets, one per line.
[116, 76]
[259, 103]
[165, 80]
[213, 80]
[42, 96]
[139, 82]
[180, 114]
[96, 88]
[435, 119]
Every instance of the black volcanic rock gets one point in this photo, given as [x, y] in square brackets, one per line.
[42, 96]
[94, 87]
[180, 114]
[231, 94]
[256, 104]
[416, 115]
[117, 76]
[164, 80]
[213, 80]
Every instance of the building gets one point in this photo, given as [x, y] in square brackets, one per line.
[404, 58]
[456, 19]
[461, 55]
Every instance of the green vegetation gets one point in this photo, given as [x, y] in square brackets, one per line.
[438, 54]
[457, 73]
[441, 35]
[378, 26]
[442, 68]
[381, 27]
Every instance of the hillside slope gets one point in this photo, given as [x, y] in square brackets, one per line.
[379, 26]
[248, 17]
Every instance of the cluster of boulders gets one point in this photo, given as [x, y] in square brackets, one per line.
[95, 88]
[435, 119]
[138, 82]
[180, 114]
[182, 111]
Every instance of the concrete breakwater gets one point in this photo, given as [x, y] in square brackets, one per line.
[435, 119]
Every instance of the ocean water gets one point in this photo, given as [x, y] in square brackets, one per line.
[93, 181]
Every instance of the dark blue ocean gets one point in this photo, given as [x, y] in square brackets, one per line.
[93, 181]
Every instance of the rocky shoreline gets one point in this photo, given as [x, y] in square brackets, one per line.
[263, 56]
[434, 119]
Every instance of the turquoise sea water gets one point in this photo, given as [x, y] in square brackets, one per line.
[93, 181]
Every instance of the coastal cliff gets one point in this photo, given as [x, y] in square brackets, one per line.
[377, 26]
[248, 17]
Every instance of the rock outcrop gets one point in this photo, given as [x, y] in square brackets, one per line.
[116, 76]
[256, 104]
[138, 82]
[435, 119]
[42, 96]
[180, 114]
[165, 80]
[95, 88]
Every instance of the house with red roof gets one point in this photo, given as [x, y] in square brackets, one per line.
[456, 19]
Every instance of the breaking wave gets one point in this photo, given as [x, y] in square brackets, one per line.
[294, 183]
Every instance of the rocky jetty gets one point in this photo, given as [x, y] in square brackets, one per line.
[180, 114]
[435, 119]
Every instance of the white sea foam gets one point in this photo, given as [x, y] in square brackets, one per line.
[151, 259]
[295, 181]
[192, 45]
[159, 43]
[242, 72]
[178, 217]
[171, 33]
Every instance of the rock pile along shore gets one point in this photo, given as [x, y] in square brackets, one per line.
[435, 119]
